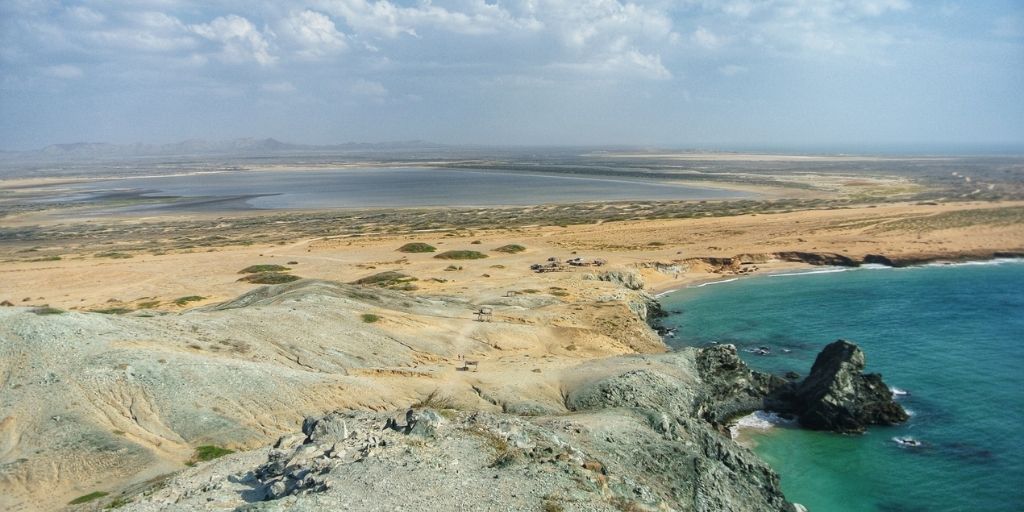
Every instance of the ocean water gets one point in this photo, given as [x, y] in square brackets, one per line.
[398, 187]
[952, 336]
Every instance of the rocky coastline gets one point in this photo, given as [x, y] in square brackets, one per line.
[651, 435]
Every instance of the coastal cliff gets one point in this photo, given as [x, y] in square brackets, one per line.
[567, 406]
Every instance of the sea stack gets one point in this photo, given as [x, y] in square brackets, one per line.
[839, 397]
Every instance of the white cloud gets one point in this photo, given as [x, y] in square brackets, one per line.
[706, 38]
[732, 70]
[384, 18]
[148, 31]
[819, 27]
[313, 33]
[85, 15]
[240, 40]
[65, 71]
[630, 64]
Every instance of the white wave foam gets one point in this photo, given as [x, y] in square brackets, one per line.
[758, 420]
[908, 442]
[996, 261]
[875, 266]
[809, 272]
[896, 392]
[715, 282]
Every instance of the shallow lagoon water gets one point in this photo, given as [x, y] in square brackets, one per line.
[953, 336]
[402, 187]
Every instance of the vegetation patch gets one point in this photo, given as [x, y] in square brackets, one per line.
[434, 401]
[417, 247]
[269, 278]
[47, 310]
[511, 248]
[461, 255]
[209, 452]
[370, 318]
[88, 497]
[181, 301]
[113, 311]
[114, 255]
[257, 269]
[388, 279]
[149, 304]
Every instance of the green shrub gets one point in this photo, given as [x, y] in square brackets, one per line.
[387, 279]
[269, 278]
[256, 269]
[417, 247]
[461, 255]
[510, 248]
[88, 497]
[47, 310]
[181, 301]
[370, 318]
[210, 452]
[114, 255]
[113, 311]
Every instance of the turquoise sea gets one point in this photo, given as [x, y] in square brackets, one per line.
[952, 336]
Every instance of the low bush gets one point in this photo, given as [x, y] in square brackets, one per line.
[269, 278]
[461, 255]
[88, 497]
[256, 269]
[417, 247]
[181, 301]
[510, 249]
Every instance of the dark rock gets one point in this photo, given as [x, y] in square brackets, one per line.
[878, 259]
[792, 375]
[837, 396]
[817, 258]
[731, 388]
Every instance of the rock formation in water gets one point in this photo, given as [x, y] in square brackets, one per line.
[838, 396]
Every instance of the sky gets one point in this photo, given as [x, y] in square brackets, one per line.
[669, 73]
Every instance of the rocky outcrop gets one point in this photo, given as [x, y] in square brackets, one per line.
[704, 469]
[624, 278]
[838, 396]
[604, 459]
[835, 396]
[818, 258]
[731, 388]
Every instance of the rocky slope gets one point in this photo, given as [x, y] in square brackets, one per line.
[94, 402]
[569, 405]
[628, 442]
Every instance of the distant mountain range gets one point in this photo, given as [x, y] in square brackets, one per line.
[245, 146]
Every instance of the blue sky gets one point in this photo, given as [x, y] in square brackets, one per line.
[684, 73]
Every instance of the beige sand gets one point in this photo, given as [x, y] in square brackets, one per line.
[900, 230]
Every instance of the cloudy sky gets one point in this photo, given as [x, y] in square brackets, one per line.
[685, 73]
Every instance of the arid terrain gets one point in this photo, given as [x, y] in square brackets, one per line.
[130, 342]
